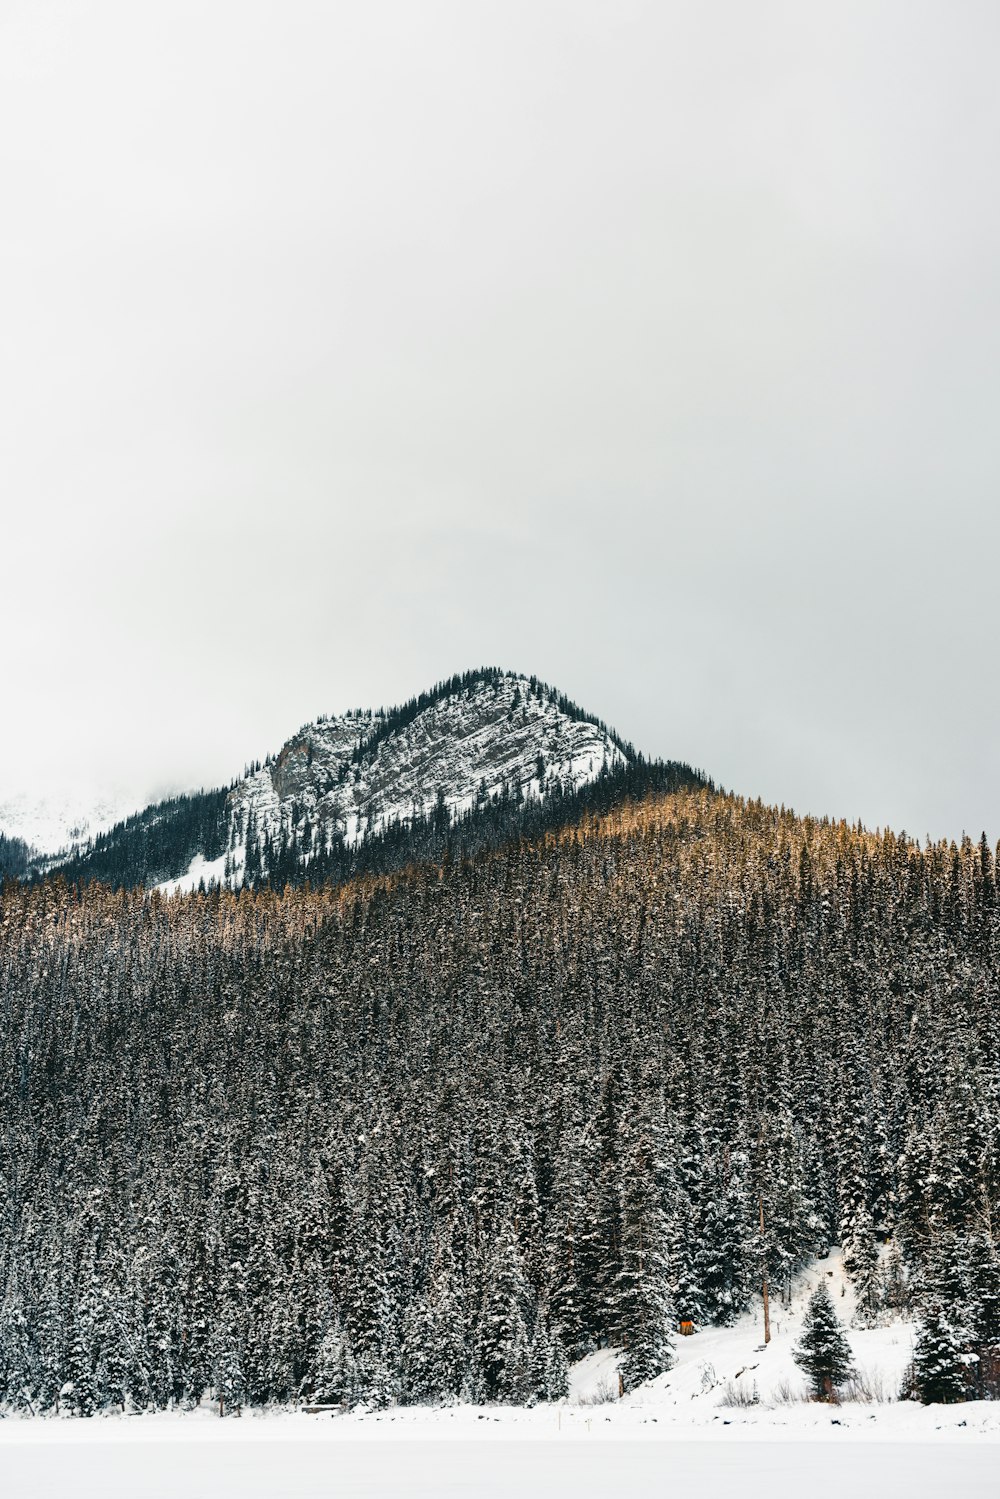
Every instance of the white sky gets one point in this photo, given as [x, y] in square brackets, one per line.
[652, 348]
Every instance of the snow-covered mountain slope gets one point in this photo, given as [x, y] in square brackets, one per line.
[480, 737]
[363, 791]
[65, 818]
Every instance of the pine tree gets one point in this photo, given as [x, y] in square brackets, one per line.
[549, 1372]
[984, 1291]
[556, 1372]
[566, 1260]
[420, 1373]
[230, 1382]
[867, 1281]
[335, 1381]
[644, 1306]
[78, 1394]
[897, 1293]
[823, 1352]
[939, 1367]
[503, 1338]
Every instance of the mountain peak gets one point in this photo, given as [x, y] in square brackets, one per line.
[471, 740]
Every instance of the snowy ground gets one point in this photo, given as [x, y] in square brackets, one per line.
[296, 1456]
[720, 1362]
[672, 1435]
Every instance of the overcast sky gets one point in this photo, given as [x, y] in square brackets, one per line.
[653, 348]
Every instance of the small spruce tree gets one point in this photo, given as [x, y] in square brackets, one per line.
[229, 1379]
[938, 1376]
[823, 1352]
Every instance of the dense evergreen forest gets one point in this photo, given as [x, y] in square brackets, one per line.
[159, 842]
[435, 1133]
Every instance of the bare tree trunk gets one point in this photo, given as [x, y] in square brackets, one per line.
[767, 1300]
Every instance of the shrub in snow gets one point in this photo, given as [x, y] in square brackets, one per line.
[868, 1388]
[604, 1392]
[739, 1395]
[823, 1352]
[784, 1393]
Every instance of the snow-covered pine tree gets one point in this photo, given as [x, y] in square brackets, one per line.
[897, 1293]
[335, 1381]
[565, 1247]
[228, 1378]
[371, 1303]
[421, 1380]
[549, 1370]
[943, 1280]
[644, 1309]
[503, 1336]
[823, 1352]
[984, 1295]
[448, 1349]
[939, 1372]
[791, 1230]
[864, 1270]
[78, 1394]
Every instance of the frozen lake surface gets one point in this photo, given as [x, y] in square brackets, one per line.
[107, 1463]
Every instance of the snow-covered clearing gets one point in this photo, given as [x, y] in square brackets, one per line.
[212, 871]
[732, 1363]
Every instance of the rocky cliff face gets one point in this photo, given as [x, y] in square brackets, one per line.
[497, 735]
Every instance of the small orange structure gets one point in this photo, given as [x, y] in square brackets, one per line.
[686, 1329]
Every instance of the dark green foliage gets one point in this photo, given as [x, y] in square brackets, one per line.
[644, 1310]
[864, 1270]
[939, 1368]
[823, 1352]
[335, 1381]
